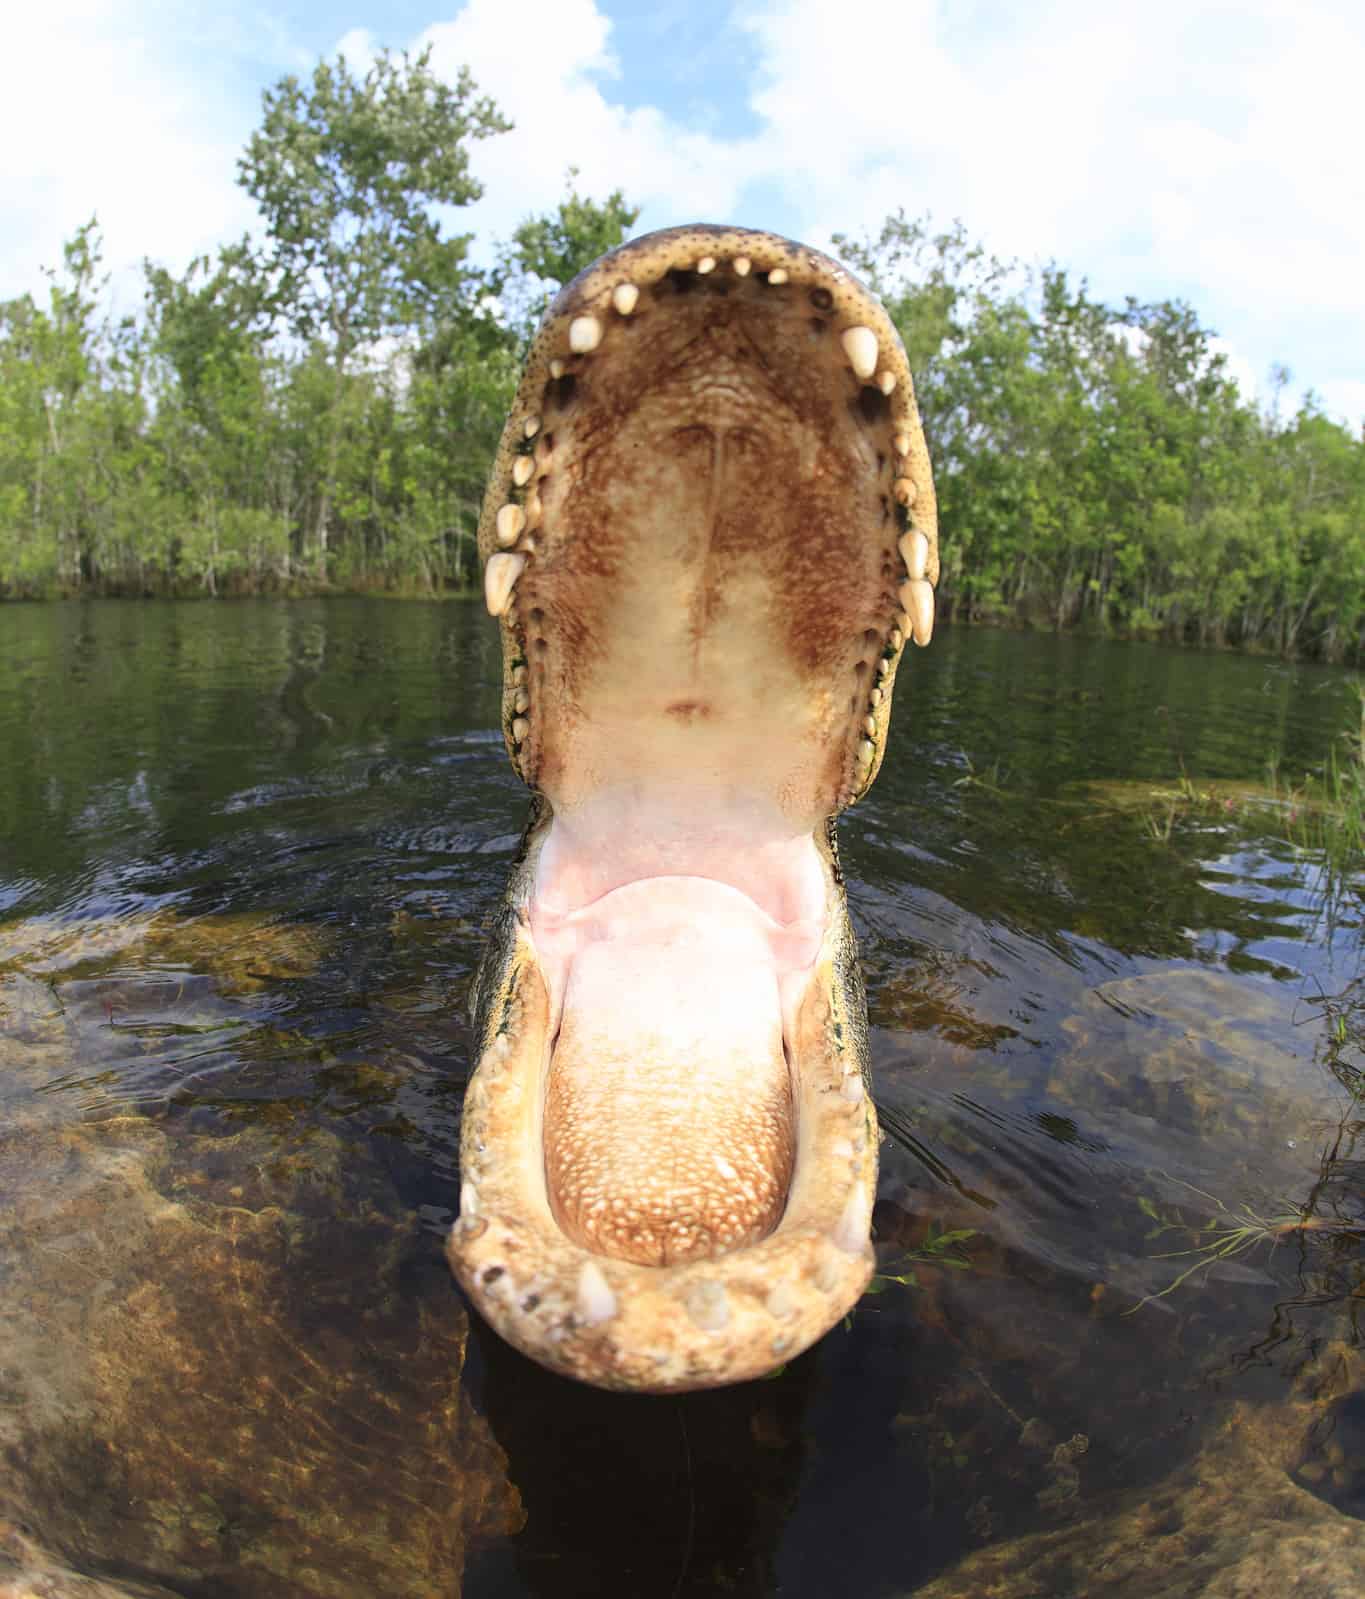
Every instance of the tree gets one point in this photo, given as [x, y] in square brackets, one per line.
[346, 173]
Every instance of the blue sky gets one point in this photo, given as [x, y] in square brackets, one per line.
[1190, 148]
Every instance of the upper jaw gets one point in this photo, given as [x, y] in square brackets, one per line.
[709, 535]
[717, 428]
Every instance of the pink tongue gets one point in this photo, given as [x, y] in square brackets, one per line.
[669, 1124]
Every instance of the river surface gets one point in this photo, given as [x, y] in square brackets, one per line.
[245, 855]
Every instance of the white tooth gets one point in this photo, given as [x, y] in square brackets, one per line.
[917, 597]
[903, 623]
[531, 426]
[901, 444]
[511, 520]
[896, 638]
[706, 264]
[883, 667]
[557, 368]
[903, 491]
[781, 1301]
[851, 1230]
[874, 698]
[778, 275]
[887, 383]
[518, 675]
[914, 548]
[860, 346]
[866, 750]
[499, 579]
[595, 1302]
[625, 297]
[585, 334]
[469, 1200]
[741, 264]
[870, 726]
[520, 728]
[708, 1306]
[522, 703]
[522, 469]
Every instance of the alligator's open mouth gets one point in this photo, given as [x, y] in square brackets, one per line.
[709, 534]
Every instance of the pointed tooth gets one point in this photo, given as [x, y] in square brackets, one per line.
[778, 275]
[896, 638]
[511, 520]
[741, 265]
[625, 297]
[903, 623]
[917, 597]
[518, 675]
[903, 491]
[522, 468]
[887, 383]
[901, 444]
[866, 750]
[870, 726]
[521, 729]
[499, 579]
[531, 426]
[708, 1305]
[781, 1301]
[914, 548]
[595, 1302]
[874, 698]
[851, 1231]
[469, 1200]
[706, 264]
[522, 703]
[585, 334]
[827, 1275]
[860, 346]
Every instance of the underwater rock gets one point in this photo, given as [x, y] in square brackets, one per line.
[230, 1360]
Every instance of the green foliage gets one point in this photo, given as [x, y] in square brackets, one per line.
[1096, 465]
[345, 174]
[319, 405]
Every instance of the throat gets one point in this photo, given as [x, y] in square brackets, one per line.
[669, 1126]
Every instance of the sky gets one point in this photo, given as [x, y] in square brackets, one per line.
[1184, 148]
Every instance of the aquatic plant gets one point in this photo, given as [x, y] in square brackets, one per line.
[1231, 1231]
[937, 1249]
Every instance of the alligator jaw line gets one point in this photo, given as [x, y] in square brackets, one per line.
[709, 536]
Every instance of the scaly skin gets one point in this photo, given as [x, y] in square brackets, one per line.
[697, 677]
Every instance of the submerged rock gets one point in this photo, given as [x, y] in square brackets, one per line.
[230, 1361]
[1229, 1524]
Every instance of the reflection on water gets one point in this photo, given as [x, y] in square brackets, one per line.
[245, 853]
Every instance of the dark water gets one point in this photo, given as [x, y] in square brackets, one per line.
[245, 851]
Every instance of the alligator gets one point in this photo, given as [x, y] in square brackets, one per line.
[708, 537]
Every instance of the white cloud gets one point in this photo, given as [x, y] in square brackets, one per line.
[94, 121]
[545, 73]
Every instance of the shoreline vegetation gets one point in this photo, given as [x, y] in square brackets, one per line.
[314, 410]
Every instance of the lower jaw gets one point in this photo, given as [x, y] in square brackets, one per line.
[717, 1316]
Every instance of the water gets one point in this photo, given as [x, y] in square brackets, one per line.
[245, 851]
